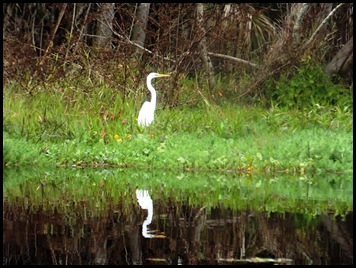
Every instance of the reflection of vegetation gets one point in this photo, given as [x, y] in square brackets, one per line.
[101, 189]
[92, 216]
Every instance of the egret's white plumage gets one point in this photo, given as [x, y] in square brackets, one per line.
[147, 112]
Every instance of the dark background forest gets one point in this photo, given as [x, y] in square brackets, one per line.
[251, 44]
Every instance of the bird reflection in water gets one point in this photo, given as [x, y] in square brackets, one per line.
[145, 202]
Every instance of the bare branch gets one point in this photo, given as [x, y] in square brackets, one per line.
[70, 35]
[127, 40]
[227, 57]
[82, 29]
[54, 33]
[322, 24]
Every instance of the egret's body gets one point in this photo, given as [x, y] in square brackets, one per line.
[147, 112]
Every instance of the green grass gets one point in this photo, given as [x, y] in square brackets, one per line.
[91, 125]
[308, 150]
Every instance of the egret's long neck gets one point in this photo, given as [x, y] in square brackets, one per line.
[153, 92]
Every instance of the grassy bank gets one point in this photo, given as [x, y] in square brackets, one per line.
[64, 125]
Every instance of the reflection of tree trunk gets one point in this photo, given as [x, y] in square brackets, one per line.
[341, 233]
[139, 30]
[199, 221]
[194, 234]
[103, 30]
[134, 241]
[203, 47]
[101, 257]
[343, 60]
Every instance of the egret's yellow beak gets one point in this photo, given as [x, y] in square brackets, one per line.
[163, 75]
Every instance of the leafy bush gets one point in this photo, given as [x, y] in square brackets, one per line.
[308, 87]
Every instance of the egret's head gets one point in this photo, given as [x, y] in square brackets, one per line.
[156, 75]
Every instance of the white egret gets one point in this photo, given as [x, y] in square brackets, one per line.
[147, 112]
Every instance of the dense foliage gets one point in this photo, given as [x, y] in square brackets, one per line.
[309, 86]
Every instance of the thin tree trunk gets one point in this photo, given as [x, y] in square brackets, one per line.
[300, 10]
[103, 31]
[139, 30]
[50, 45]
[7, 13]
[203, 47]
[82, 24]
[227, 9]
[70, 36]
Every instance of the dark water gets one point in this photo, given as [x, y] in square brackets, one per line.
[141, 227]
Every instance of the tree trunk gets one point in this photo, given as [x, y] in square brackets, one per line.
[203, 47]
[7, 12]
[227, 10]
[343, 60]
[285, 51]
[103, 30]
[139, 30]
[297, 15]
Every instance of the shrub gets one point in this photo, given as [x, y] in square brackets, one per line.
[309, 86]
